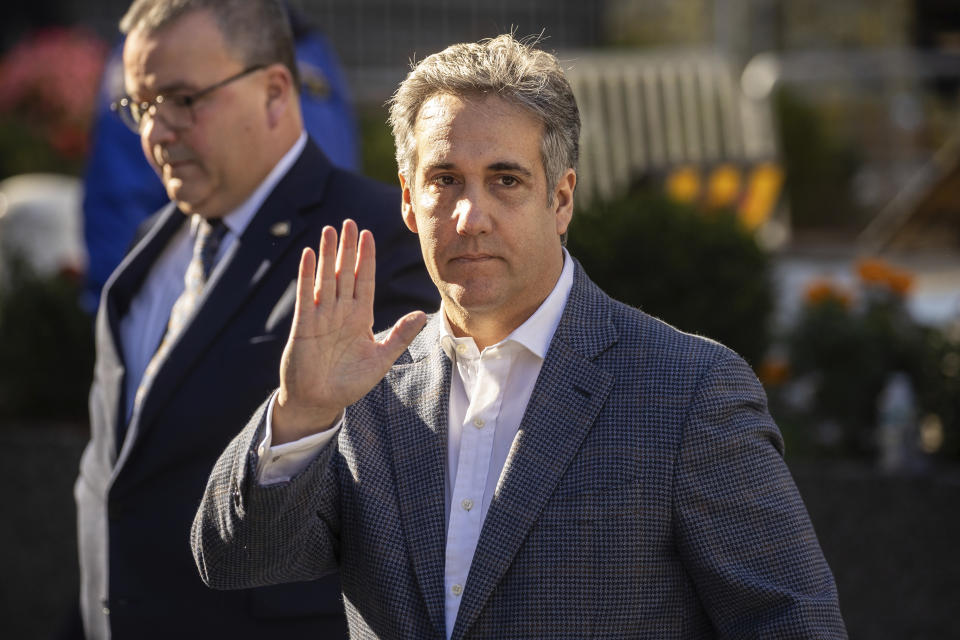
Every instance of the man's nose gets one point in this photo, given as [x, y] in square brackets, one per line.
[472, 214]
[156, 131]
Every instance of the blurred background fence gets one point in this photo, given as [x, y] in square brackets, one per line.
[783, 176]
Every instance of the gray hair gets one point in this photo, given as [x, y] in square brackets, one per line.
[512, 69]
[257, 32]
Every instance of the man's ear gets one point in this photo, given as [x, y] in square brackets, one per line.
[406, 204]
[562, 203]
[280, 90]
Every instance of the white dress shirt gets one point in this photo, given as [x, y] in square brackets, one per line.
[145, 323]
[489, 392]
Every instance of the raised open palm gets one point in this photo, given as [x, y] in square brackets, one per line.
[331, 358]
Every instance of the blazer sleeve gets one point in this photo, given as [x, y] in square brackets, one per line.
[743, 531]
[246, 535]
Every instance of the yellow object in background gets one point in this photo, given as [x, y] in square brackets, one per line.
[754, 197]
[762, 193]
[683, 185]
[723, 187]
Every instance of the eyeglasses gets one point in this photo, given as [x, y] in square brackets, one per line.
[176, 110]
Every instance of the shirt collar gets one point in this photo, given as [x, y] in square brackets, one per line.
[237, 220]
[537, 331]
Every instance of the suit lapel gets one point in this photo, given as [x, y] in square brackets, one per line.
[114, 302]
[566, 399]
[247, 263]
[417, 422]
[126, 278]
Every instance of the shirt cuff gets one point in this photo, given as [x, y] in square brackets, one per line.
[282, 462]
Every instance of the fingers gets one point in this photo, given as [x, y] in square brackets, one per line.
[366, 269]
[347, 260]
[325, 288]
[305, 285]
[402, 334]
[345, 271]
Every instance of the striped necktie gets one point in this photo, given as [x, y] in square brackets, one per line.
[209, 235]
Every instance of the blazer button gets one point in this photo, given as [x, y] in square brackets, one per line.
[236, 495]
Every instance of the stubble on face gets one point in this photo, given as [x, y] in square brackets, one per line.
[490, 243]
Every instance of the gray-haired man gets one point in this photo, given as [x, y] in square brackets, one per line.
[536, 460]
[192, 323]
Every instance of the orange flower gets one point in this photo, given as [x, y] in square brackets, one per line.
[900, 282]
[823, 290]
[873, 271]
[773, 371]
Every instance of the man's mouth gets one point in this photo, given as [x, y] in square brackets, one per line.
[172, 158]
[473, 258]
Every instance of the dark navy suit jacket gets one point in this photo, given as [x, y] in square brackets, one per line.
[136, 498]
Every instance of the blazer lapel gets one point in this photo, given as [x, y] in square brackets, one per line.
[249, 260]
[566, 399]
[417, 422]
[126, 278]
[117, 294]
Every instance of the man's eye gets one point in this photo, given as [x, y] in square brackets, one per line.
[508, 181]
[443, 181]
[180, 100]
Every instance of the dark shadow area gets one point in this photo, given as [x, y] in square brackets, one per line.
[38, 561]
[892, 544]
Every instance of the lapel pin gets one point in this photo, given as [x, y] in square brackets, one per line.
[280, 229]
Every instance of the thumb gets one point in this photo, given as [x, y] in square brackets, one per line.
[402, 334]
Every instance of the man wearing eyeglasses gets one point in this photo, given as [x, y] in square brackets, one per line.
[192, 323]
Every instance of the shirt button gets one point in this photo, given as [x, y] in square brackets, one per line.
[461, 348]
[456, 589]
[478, 423]
[467, 504]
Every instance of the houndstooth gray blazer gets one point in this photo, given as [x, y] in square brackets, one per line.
[645, 497]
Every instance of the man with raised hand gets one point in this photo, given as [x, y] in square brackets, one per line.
[535, 460]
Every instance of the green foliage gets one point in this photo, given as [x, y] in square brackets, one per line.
[46, 348]
[851, 354]
[939, 385]
[848, 352]
[700, 271]
[820, 166]
[22, 150]
[376, 146]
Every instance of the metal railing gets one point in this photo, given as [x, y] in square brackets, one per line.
[648, 113]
